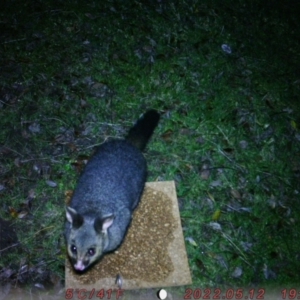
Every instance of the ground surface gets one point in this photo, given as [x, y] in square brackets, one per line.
[225, 77]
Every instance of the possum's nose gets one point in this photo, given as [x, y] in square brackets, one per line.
[79, 266]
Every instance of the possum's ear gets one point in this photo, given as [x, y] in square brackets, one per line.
[74, 217]
[102, 224]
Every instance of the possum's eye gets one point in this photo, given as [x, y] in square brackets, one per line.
[91, 251]
[73, 249]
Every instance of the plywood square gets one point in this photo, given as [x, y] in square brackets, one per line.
[153, 253]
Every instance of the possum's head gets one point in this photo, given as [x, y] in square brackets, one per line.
[86, 238]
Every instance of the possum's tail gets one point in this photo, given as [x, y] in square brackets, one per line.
[141, 132]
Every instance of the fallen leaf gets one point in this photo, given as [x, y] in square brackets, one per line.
[216, 183]
[237, 272]
[68, 196]
[167, 136]
[235, 194]
[216, 215]
[51, 183]
[215, 226]
[191, 240]
[13, 212]
[294, 124]
[22, 214]
[205, 172]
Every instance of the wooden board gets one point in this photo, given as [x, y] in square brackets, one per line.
[153, 253]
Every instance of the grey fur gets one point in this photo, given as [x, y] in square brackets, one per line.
[107, 192]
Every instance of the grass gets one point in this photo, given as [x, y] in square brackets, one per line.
[75, 73]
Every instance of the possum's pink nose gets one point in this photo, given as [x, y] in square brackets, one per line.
[79, 266]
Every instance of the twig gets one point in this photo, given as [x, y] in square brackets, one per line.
[235, 164]
[235, 246]
[14, 41]
[14, 245]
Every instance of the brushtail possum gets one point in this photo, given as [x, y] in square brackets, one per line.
[107, 192]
